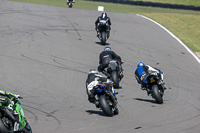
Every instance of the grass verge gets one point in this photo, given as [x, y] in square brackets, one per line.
[183, 23]
[180, 2]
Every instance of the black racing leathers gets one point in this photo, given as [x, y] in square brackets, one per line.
[107, 19]
[105, 57]
[98, 25]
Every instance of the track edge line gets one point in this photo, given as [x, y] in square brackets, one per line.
[186, 47]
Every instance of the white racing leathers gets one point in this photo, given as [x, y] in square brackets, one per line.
[93, 80]
[154, 71]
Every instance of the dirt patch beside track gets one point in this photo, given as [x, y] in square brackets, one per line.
[198, 54]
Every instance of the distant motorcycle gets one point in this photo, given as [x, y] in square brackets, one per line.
[12, 119]
[107, 99]
[114, 69]
[104, 32]
[155, 87]
[70, 3]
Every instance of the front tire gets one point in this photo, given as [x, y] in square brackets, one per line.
[156, 94]
[3, 129]
[27, 128]
[105, 106]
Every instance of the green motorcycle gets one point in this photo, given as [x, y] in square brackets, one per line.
[12, 119]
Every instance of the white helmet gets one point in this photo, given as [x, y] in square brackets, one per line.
[93, 71]
[107, 48]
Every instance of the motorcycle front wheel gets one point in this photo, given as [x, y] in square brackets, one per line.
[27, 128]
[3, 128]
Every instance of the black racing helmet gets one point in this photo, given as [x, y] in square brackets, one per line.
[104, 15]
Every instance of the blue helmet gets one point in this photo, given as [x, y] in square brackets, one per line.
[141, 64]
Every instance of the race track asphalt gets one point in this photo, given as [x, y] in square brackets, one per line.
[46, 53]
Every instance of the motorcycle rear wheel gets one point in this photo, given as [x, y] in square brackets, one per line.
[115, 79]
[156, 94]
[103, 38]
[105, 106]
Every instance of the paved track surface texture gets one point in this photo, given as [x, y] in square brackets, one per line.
[46, 52]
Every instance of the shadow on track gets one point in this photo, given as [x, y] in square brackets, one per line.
[146, 100]
[95, 112]
[101, 44]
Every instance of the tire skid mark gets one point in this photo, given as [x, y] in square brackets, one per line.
[69, 68]
[35, 116]
[63, 66]
[75, 30]
[71, 61]
[47, 114]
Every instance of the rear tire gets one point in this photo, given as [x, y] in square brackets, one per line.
[103, 38]
[156, 94]
[3, 129]
[115, 79]
[116, 112]
[105, 106]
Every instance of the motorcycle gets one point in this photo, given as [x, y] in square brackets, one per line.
[12, 119]
[115, 72]
[104, 32]
[106, 96]
[70, 3]
[155, 87]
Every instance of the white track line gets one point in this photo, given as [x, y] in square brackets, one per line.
[190, 51]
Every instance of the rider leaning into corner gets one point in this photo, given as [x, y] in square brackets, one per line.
[98, 24]
[148, 71]
[105, 57]
[95, 80]
[7, 94]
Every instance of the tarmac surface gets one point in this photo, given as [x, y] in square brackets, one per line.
[46, 53]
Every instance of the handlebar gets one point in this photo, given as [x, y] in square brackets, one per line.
[20, 97]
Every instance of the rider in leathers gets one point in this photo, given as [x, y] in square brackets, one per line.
[105, 57]
[7, 94]
[73, 1]
[147, 70]
[93, 80]
[98, 24]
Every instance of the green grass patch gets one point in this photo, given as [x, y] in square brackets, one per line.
[180, 2]
[45, 2]
[184, 26]
[183, 23]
